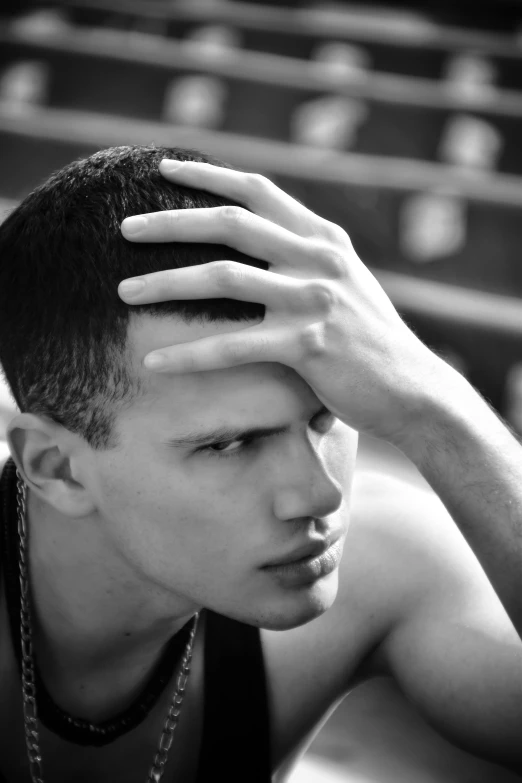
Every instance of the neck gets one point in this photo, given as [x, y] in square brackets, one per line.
[99, 628]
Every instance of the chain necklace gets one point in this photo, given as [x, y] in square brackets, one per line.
[32, 737]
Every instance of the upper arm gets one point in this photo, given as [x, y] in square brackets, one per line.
[4, 453]
[8, 410]
[451, 646]
[6, 414]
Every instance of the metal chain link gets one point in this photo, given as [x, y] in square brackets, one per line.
[32, 737]
[171, 721]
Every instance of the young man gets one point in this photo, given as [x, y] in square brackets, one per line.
[220, 487]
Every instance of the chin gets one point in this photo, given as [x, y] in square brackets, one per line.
[299, 607]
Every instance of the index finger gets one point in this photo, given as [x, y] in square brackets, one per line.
[232, 226]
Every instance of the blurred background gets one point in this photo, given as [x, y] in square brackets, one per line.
[400, 121]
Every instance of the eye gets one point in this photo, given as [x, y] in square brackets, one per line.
[228, 448]
[225, 448]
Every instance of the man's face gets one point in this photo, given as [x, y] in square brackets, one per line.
[200, 521]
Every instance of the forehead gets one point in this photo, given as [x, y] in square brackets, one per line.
[250, 388]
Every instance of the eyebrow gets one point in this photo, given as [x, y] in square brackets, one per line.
[230, 433]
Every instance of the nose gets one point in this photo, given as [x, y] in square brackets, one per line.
[305, 486]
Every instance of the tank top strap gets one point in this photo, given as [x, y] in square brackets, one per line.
[236, 728]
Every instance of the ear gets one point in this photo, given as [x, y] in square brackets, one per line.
[48, 458]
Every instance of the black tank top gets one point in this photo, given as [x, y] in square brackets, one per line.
[235, 743]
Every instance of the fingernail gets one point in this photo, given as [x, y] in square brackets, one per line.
[168, 165]
[133, 225]
[132, 286]
[154, 360]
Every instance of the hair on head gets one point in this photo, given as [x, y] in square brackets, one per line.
[63, 327]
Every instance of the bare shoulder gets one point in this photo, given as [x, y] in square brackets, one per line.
[4, 454]
[404, 526]
[421, 573]
[412, 545]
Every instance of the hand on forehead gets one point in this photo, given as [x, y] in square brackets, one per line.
[326, 316]
[279, 230]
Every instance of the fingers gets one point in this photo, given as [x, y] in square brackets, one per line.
[222, 351]
[254, 191]
[232, 226]
[221, 279]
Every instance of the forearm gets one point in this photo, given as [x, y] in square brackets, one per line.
[474, 464]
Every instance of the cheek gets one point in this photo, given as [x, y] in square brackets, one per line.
[192, 515]
[185, 508]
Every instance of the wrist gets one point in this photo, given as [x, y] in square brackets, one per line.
[446, 412]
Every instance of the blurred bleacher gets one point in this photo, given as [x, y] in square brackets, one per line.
[402, 126]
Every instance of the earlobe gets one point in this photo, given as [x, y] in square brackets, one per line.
[43, 453]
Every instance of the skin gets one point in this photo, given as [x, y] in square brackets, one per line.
[408, 598]
[152, 531]
[406, 589]
[328, 318]
[130, 570]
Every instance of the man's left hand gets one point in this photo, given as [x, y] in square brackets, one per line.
[327, 317]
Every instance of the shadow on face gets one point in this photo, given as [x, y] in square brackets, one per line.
[219, 474]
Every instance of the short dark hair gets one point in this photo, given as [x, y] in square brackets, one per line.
[63, 327]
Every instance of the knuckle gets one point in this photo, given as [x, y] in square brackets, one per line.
[172, 215]
[167, 219]
[334, 232]
[333, 261]
[319, 296]
[311, 341]
[233, 215]
[257, 181]
[226, 275]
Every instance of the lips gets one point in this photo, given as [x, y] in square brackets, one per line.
[306, 552]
